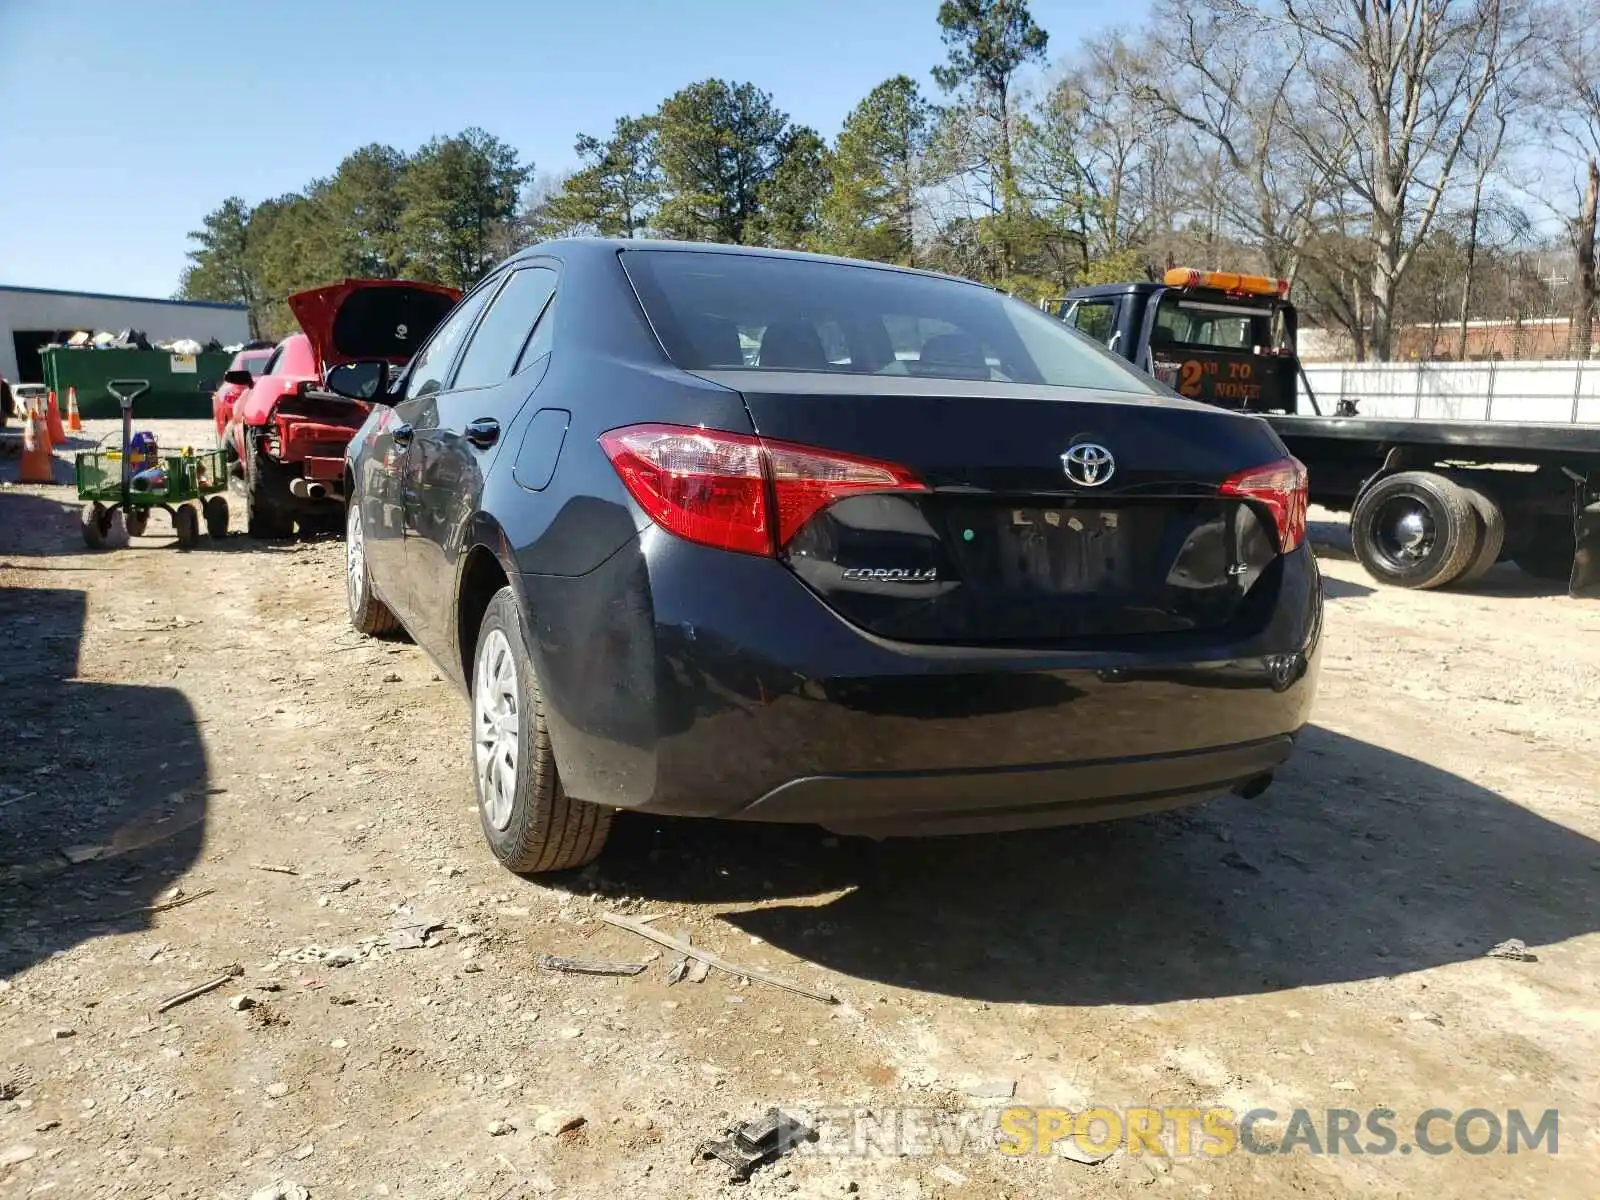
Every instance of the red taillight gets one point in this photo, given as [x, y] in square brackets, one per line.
[734, 491]
[1282, 488]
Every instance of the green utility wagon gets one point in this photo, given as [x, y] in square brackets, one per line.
[117, 499]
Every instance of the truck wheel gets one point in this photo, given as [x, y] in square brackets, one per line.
[1545, 549]
[1414, 529]
[532, 825]
[263, 518]
[137, 520]
[1492, 530]
[368, 614]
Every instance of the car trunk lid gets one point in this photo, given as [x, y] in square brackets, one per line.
[359, 320]
[1015, 540]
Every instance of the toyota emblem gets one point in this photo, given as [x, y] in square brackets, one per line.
[1088, 464]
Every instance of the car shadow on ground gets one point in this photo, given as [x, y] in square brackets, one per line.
[1358, 863]
[103, 787]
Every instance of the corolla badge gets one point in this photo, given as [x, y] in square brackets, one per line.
[1088, 464]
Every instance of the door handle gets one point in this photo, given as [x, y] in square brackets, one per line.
[402, 435]
[483, 433]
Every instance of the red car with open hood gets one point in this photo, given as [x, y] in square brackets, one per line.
[289, 427]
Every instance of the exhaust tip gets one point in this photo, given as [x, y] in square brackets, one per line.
[1251, 788]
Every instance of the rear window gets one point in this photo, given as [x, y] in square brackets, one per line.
[754, 312]
[1216, 325]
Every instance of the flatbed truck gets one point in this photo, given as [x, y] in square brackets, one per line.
[1432, 503]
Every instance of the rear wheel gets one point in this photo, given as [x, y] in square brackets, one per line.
[263, 516]
[368, 614]
[1415, 529]
[530, 822]
[1492, 530]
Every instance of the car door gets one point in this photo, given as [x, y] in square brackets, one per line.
[390, 472]
[462, 432]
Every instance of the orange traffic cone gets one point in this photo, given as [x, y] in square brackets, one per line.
[74, 418]
[57, 434]
[37, 463]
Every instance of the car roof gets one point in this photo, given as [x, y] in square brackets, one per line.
[582, 246]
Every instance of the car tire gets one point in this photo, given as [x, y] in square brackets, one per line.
[530, 822]
[1492, 533]
[264, 519]
[1414, 529]
[368, 614]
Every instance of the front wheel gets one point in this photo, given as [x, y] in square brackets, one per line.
[531, 824]
[186, 524]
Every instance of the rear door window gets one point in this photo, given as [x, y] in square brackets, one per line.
[506, 328]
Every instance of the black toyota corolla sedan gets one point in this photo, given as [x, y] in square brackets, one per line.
[720, 532]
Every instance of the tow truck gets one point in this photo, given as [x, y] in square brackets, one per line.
[1432, 503]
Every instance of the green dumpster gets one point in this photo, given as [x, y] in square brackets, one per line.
[180, 384]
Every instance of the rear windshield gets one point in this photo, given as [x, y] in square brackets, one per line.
[1219, 326]
[756, 312]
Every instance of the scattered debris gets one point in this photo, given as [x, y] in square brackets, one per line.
[679, 967]
[304, 1152]
[78, 855]
[992, 1089]
[1068, 1148]
[274, 868]
[588, 966]
[282, 1190]
[1514, 949]
[210, 985]
[242, 1002]
[714, 960]
[178, 901]
[1239, 862]
[698, 970]
[501, 1127]
[277, 1091]
[557, 1122]
[13, 1155]
[414, 934]
[47, 1126]
[949, 1175]
[756, 1143]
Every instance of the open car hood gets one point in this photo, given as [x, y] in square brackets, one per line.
[360, 320]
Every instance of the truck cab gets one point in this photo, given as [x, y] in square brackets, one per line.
[1220, 337]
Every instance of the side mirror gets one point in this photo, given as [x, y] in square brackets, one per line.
[241, 378]
[359, 380]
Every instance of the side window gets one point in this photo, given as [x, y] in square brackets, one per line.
[271, 364]
[1096, 319]
[500, 336]
[542, 339]
[429, 367]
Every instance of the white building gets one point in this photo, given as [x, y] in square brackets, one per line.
[31, 317]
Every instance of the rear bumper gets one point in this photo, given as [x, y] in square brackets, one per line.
[685, 681]
[933, 802]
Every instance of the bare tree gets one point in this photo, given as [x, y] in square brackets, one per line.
[1405, 82]
[1572, 100]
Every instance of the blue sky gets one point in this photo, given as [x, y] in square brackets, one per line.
[122, 122]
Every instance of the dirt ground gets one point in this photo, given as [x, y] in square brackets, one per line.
[174, 724]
